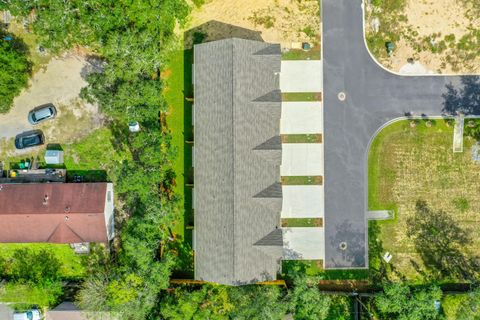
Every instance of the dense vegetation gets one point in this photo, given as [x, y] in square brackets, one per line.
[14, 69]
[133, 38]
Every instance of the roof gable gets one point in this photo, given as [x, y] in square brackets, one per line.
[55, 212]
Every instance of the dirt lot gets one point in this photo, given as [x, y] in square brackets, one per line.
[417, 163]
[441, 36]
[278, 21]
[59, 82]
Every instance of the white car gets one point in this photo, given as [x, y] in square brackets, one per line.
[27, 315]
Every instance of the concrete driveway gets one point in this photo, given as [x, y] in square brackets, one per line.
[301, 118]
[302, 201]
[301, 76]
[302, 159]
[303, 243]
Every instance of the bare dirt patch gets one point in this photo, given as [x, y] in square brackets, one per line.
[442, 35]
[277, 21]
[59, 83]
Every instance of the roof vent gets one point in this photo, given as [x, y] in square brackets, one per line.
[66, 218]
[45, 200]
[67, 209]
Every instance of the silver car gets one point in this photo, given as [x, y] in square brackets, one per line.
[42, 113]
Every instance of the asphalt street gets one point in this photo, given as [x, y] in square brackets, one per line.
[374, 96]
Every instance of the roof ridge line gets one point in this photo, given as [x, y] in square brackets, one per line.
[233, 156]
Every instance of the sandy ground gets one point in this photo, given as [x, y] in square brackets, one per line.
[60, 83]
[279, 21]
[438, 18]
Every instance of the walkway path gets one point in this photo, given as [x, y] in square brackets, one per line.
[373, 97]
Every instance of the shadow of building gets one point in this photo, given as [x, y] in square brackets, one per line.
[215, 30]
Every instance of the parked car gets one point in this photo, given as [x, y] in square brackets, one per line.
[42, 113]
[29, 139]
[27, 315]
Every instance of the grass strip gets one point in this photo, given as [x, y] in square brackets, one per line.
[301, 96]
[302, 180]
[302, 222]
[299, 54]
[302, 138]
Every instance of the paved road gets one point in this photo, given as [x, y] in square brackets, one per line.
[373, 97]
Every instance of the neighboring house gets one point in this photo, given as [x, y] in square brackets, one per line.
[56, 212]
[237, 193]
[68, 311]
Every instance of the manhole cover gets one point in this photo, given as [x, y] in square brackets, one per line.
[343, 246]
[342, 96]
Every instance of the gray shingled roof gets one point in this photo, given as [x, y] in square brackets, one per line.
[236, 159]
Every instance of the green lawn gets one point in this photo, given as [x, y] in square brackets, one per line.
[298, 54]
[24, 296]
[410, 161]
[97, 157]
[178, 76]
[72, 264]
[315, 268]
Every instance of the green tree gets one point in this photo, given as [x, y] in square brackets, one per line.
[398, 301]
[470, 308]
[223, 302]
[306, 300]
[131, 37]
[258, 302]
[36, 267]
[14, 70]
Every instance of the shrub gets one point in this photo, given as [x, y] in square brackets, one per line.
[14, 69]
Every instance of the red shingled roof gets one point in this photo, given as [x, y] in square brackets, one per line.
[53, 212]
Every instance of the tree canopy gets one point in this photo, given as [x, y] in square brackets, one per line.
[398, 301]
[14, 69]
[131, 38]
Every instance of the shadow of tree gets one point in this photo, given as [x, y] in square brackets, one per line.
[379, 270]
[353, 241]
[439, 242]
[465, 99]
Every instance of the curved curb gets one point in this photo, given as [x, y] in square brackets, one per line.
[362, 5]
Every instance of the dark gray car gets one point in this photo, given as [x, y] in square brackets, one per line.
[29, 139]
[42, 113]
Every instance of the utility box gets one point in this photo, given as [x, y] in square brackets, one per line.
[54, 157]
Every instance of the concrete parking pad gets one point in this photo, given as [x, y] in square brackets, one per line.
[301, 117]
[302, 159]
[303, 243]
[302, 201]
[301, 76]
